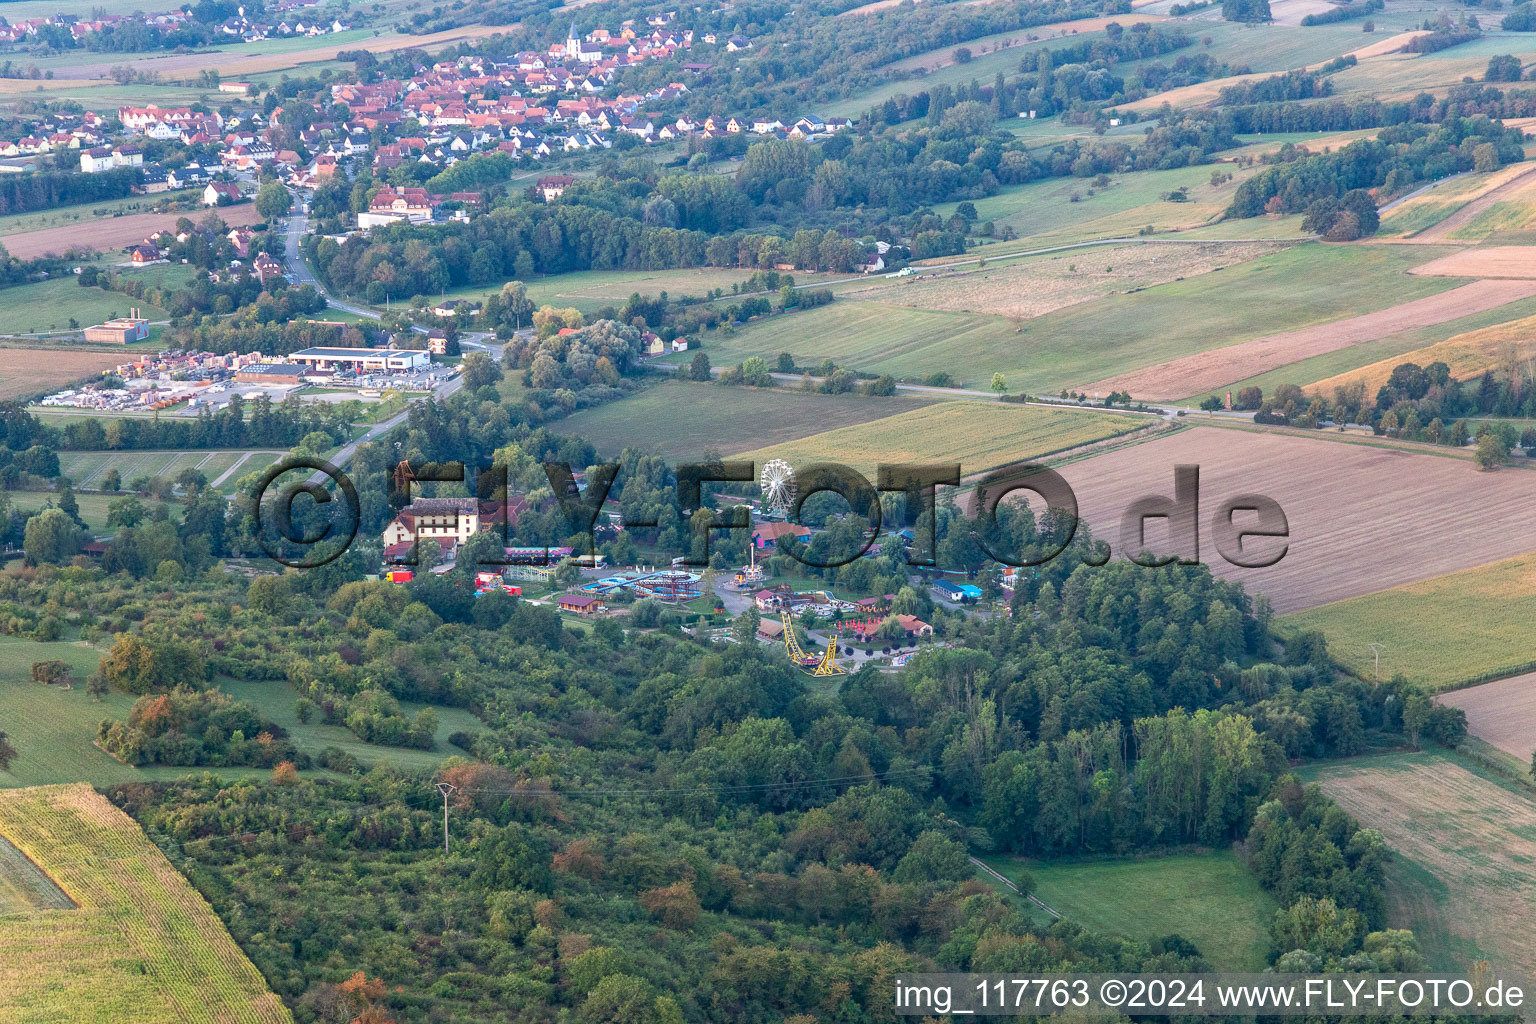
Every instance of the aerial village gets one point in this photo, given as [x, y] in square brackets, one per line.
[530, 105]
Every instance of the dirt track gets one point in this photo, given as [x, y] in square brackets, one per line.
[1362, 518]
[113, 232]
[1205, 371]
[1502, 713]
[1464, 216]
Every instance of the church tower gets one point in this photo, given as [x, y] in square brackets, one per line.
[573, 42]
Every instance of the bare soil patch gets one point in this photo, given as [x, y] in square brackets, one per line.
[25, 371]
[1502, 713]
[1204, 371]
[1513, 262]
[13, 86]
[1362, 517]
[113, 232]
[1035, 287]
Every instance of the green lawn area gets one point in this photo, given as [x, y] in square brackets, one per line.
[1260, 48]
[108, 96]
[1211, 899]
[683, 420]
[49, 306]
[54, 730]
[590, 290]
[61, 64]
[1298, 287]
[87, 470]
[277, 700]
[1441, 632]
[93, 507]
[874, 336]
[1044, 213]
[978, 435]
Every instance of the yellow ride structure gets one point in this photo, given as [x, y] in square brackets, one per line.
[824, 664]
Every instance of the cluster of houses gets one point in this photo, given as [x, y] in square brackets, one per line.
[79, 26]
[263, 266]
[54, 131]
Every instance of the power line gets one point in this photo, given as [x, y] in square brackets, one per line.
[247, 834]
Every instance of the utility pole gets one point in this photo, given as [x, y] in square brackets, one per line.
[446, 788]
[1376, 650]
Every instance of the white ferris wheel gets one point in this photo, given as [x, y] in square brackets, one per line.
[778, 484]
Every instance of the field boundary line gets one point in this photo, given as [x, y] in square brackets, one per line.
[1386, 444]
[1037, 901]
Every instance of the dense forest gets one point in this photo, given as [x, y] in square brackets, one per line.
[685, 831]
[44, 190]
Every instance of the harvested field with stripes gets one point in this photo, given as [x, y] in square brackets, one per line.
[139, 944]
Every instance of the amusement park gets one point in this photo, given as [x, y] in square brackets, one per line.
[819, 632]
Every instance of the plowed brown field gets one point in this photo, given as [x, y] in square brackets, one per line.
[112, 232]
[1502, 713]
[1362, 518]
[1517, 262]
[26, 371]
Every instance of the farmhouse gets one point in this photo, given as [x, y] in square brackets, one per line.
[97, 158]
[581, 604]
[267, 269]
[221, 191]
[454, 306]
[452, 519]
[553, 186]
[363, 360]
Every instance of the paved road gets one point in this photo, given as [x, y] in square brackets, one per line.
[300, 273]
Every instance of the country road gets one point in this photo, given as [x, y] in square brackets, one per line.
[300, 273]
